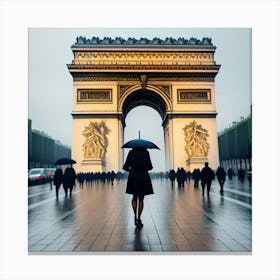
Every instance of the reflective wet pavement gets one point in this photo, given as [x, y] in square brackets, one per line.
[99, 218]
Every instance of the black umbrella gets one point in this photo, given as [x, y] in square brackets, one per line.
[140, 143]
[62, 161]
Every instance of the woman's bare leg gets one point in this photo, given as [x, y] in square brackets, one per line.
[134, 207]
[141, 205]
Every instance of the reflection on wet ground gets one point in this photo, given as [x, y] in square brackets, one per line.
[98, 218]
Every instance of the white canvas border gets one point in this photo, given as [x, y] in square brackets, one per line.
[262, 16]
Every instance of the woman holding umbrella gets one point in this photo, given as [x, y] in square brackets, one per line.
[139, 183]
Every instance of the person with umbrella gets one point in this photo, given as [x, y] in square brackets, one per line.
[69, 176]
[139, 183]
[69, 179]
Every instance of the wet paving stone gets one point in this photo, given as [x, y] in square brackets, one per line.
[99, 218]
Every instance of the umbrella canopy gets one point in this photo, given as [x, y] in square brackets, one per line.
[140, 143]
[62, 161]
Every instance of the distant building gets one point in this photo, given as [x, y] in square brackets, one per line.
[235, 145]
[43, 151]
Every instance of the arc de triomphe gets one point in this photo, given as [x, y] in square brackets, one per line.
[173, 76]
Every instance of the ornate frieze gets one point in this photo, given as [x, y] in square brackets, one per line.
[96, 142]
[94, 95]
[193, 96]
[196, 140]
[142, 58]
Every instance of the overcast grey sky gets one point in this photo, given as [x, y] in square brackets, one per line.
[50, 84]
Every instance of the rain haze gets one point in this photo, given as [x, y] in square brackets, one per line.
[51, 85]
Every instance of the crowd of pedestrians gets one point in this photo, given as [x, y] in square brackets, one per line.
[68, 178]
[205, 176]
[103, 177]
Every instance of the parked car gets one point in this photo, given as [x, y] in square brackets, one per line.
[37, 176]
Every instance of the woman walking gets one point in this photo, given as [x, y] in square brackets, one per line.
[139, 183]
[69, 179]
[57, 180]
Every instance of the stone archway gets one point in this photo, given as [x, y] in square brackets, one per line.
[145, 97]
[175, 77]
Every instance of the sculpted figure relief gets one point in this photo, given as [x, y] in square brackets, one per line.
[95, 145]
[196, 140]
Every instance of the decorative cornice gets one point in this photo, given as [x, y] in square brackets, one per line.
[118, 41]
[147, 68]
[134, 77]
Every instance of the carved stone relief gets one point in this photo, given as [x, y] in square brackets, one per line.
[196, 140]
[96, 142]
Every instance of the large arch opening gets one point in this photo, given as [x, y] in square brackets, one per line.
[144, 111]
[144, 97]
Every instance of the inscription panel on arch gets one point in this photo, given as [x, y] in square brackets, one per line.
[194, 96]
[94, 96]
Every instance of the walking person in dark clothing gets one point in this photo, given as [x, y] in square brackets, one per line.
[178, 177]
[182, 176]
[69, 179]
[139, 183]
[221, 176]
[196, 177]
[241, 173]
[112, 177]
[230, 173]
[57, 180]
[172, 176]
[206, 176]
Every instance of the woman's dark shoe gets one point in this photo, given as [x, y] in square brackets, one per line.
[135, 221]
[139, 223]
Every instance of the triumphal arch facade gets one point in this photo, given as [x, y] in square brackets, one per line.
[173, 76]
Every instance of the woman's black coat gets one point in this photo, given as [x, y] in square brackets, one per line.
[138, 163]
[69, 177]
[57, 177]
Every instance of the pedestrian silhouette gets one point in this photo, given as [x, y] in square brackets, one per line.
[206, 176]
[68, 179]
[57, 180]
[178, 177]
[188, 176]
[241, 173]
[196, 177]
[139, 183]
[112, 177]
[181, 176]
[221, 176]
[230, 173]
[172, 176]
